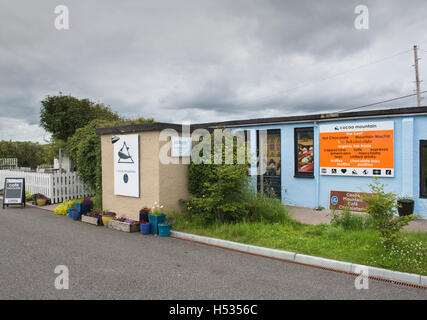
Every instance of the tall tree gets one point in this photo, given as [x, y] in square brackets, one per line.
[62, 115]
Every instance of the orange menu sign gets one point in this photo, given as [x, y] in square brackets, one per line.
[358, 149]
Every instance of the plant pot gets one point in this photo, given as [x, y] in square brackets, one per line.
[145, 228]
[70, 212]
[106, 219]
[41, 202]
[405, 208]
[90, 220]
[76, 215]
[123, 226]
[164, 230]
[78, 206]
[155, 221]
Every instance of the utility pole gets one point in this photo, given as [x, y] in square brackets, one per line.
[417, 78]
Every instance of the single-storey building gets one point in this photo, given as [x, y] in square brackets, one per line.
[317, 160]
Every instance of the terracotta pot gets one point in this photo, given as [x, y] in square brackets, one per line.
[105, 220]
[41, 202]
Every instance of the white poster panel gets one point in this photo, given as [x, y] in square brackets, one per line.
[359, 149]
[181, 146]
[126, 166]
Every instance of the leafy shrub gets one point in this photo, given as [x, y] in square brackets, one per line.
[382, 208]
[350, 221]
[266, 208]
[62, 208]
[28, 196]
[218, 190]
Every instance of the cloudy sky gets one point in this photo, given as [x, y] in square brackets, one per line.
[206, 60]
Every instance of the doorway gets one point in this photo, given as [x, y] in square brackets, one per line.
[270, 181]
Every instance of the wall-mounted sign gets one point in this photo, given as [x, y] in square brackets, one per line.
[363, 149]
[181, 146]
[126, 166]
[14, 191]
[340, 199]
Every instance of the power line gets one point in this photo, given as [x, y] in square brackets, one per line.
[381, 102]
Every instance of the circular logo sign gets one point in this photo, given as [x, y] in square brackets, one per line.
[334, 200]
[125, 178]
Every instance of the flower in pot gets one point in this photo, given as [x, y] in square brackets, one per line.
[143, 214]
[405, 206]
[144, 227]
[87, 205]
[107, 216]
[156, 217]
[40, 199]
[95, 215]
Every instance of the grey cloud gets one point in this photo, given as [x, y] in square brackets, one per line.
[207, 60]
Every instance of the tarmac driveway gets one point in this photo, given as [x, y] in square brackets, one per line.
[109, 264]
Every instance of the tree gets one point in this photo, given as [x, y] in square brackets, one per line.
[84, 149]
[63, 115]
[29, 154]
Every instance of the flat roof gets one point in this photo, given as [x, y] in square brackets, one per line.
[158, 126]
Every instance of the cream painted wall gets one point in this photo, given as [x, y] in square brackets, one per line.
[165, 184]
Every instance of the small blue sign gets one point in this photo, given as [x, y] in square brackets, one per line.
[334, 200]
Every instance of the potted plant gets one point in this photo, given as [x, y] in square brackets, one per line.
[164, 230]
[124, 224]
[40, 199]
[106, 217]
[143, 214]
[405, 206]
[156, 217]
[76, 215]
[86, 206]
[78, 205]
[144, 226]
[94, 218]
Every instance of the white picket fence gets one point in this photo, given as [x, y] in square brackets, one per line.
[56, 186]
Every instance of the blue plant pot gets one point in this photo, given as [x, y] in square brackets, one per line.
[76, 215]
[144, 228]
[70, 212]
[164, 230]
[78, 207]
[155, 221]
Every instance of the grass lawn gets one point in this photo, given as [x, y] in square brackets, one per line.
[362, 247]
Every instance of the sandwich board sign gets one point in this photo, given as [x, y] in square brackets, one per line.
[14, 191]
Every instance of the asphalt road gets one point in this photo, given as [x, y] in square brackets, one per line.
[108, 264]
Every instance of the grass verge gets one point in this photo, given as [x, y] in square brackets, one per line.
[409, 254]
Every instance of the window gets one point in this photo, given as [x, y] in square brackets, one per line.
[423, 169]
[304, 152]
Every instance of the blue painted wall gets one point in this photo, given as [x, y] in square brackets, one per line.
[313, 192]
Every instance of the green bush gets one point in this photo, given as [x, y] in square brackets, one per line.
[267, 208]
[382, 207]
[218, 190]
[350, 221]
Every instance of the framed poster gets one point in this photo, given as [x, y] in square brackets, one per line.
[14, 191]
[304, 152]
[126, 166]
[363, 149]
